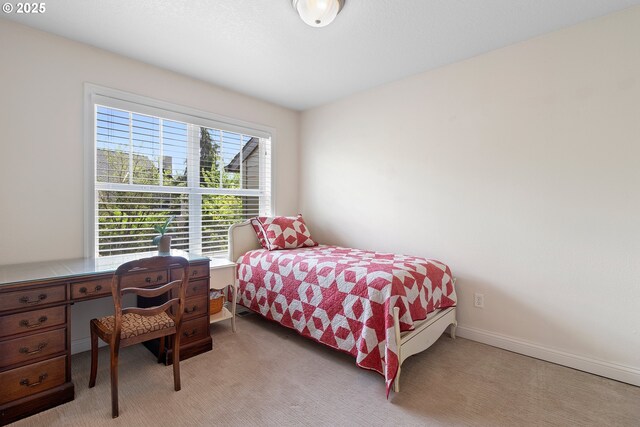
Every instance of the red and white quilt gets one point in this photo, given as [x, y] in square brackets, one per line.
[344, 297]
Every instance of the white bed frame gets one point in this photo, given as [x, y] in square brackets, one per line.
[242, 239]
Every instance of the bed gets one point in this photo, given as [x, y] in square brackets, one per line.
[380, 308]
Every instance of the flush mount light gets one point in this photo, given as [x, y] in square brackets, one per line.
[318, 13]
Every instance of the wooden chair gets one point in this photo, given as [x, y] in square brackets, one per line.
[134, 325]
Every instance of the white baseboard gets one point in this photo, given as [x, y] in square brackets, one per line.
[614, 371]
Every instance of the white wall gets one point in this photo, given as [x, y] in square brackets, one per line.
[520, 168]
[42, 80]
[41, 134]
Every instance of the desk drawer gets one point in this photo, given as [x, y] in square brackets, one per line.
[144, 280]
[91, 288]
[32, 297]
[32, 347]
[195, 272]
[194, 330]
[32, 320]
[31, 379]
[194, 307]
[197, 287]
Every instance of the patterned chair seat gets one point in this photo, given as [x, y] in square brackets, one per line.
[136, 324]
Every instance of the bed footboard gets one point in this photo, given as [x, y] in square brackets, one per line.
[422, 337]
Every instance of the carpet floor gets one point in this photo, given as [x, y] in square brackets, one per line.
[267, 375]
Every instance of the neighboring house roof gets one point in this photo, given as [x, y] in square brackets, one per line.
[247, 150]
[103, 167]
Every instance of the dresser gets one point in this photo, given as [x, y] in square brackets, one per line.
[35, 323]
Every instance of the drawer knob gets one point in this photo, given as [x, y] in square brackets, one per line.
[194, 273]
[85, 291]
[27, 383]
[190, 310]
[25, 323]
[39, 348]
[26, 300]
[189, 334]
[149, 280]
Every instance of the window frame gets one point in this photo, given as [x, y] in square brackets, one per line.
[98, 95]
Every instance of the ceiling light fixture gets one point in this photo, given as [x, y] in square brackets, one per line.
[318, 13]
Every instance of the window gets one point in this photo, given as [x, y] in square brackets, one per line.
[151, 163]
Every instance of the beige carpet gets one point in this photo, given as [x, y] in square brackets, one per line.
[268, 375]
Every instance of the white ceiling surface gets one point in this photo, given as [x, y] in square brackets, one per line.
[262, 48]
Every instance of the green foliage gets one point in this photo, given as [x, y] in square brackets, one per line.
[139, 216]
[209, 160]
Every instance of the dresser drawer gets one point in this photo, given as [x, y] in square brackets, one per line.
[195, 272]
[32, 347]
[146, 279]
[194, 330]
[32, 297]
[32, 320]
[31, 379]
[194, 307]
[197, 287]
[91, 288]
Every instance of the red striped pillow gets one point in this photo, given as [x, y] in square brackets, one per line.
[284, 232]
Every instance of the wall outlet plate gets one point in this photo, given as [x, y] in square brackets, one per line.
[478, 300]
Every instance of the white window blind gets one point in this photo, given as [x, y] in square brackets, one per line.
[149, 167]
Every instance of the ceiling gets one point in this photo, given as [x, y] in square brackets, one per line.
[261, 48]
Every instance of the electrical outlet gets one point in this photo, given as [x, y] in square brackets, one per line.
[478, 300]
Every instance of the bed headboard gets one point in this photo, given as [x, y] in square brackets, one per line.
[242, 239]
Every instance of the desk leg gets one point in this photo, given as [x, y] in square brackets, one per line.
[233, 306]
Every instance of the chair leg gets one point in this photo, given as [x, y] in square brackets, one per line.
[176, 362]
[94, 357]
[161, 350]
[114, 381]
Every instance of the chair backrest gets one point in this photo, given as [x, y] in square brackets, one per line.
[123, 284]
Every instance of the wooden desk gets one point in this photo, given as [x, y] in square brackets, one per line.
[35, 323]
